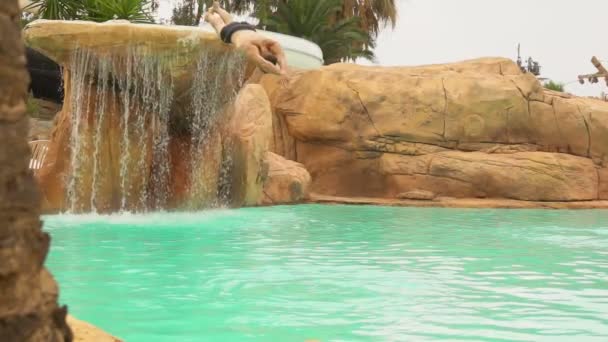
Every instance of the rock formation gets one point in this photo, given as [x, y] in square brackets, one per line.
[28, 293]
[85, 332]
[144, 123]
[251, 132]
[475, 129]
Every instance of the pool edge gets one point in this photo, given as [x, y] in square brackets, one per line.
[446, 202]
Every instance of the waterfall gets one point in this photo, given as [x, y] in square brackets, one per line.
[128, 110]
[210, 95]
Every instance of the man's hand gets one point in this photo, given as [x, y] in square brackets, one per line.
[256, 49]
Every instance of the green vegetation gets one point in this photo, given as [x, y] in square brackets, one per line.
[551, 85]
[139, 11]
[33, 108]
[57, 9]
[315, 20]
[189, 12]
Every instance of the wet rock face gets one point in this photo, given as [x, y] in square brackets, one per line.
[478, 128]
[28, 293]
[144, 123]
[250, 133]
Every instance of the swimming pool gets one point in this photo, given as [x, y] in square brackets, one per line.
[337, 273]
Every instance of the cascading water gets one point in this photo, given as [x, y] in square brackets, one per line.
[210, 95]
[124, 108]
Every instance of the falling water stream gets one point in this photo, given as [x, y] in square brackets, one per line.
[135, 93]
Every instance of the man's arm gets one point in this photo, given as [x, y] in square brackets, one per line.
[253, 52]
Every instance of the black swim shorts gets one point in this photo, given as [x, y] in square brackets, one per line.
[230, 29]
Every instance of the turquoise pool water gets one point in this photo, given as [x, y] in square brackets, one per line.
[337, 273]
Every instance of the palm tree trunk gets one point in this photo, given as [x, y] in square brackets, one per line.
[28, 293]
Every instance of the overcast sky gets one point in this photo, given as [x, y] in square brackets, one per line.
[562, 35]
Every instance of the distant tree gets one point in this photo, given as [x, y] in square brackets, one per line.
[184, 13]
[190, 12]
[551, 85]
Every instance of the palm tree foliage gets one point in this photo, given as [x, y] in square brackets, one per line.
[551, 85]
[96, 10]
[373, 14]
[56, 9]
[316, 20]
[138, 11]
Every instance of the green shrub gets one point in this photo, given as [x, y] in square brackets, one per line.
[138, 11]
[554, 86]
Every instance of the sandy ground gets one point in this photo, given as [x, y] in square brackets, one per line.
[85, 332]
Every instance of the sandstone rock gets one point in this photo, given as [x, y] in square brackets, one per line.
[341, 172]
[433, 105]
[282, 143]
[533, 176]
[250, 135]
[59, 39]
[449, 202]
[98, 181]
[85, 332]
[179, 47]
[142, 112]
[422, 195]
[287, 181]
[478, 128]
[444, 106]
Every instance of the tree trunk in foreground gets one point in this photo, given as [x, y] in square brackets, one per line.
[28, 293]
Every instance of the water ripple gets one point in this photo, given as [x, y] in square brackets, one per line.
[337, 273]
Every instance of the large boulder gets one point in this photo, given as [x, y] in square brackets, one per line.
[287, 181]
[478, 128]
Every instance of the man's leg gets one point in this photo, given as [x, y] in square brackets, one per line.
[215, 20]
[226, 17]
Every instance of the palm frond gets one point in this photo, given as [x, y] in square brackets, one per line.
[340, 39]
